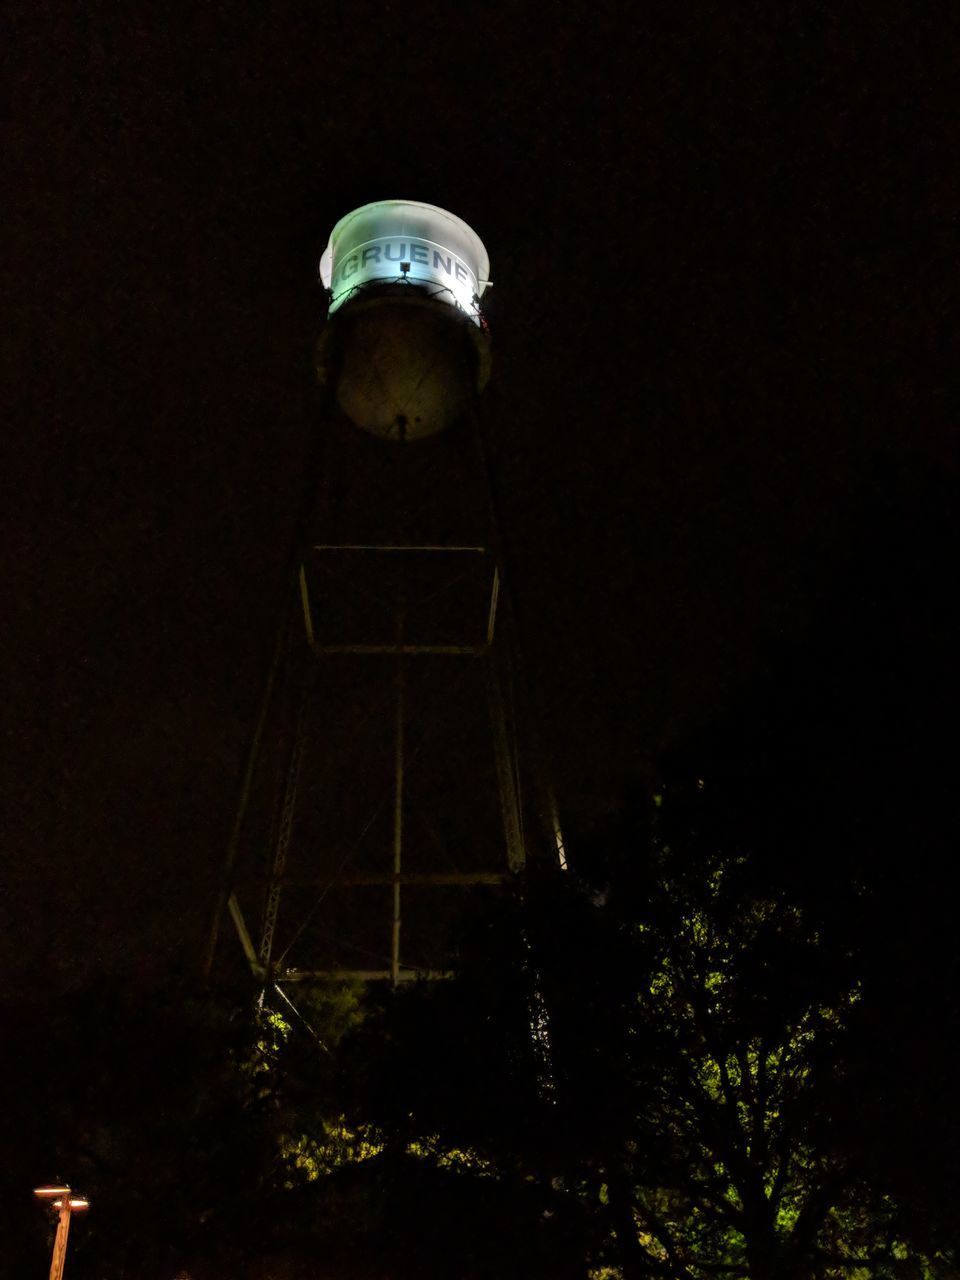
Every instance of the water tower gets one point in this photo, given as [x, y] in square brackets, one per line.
[385, 790]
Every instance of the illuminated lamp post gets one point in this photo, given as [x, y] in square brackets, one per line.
[62, 1199]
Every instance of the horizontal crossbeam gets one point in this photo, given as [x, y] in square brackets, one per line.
[405, 877]
[330, 546]
[412, 650]
[362, 975]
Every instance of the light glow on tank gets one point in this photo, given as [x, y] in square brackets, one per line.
[406, 242]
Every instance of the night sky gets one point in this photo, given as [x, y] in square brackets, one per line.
[720, 319]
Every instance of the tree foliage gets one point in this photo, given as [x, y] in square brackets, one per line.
[710, 1112]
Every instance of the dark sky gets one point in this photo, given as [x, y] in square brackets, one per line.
[717, 237]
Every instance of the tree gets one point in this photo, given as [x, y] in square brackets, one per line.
[703, 1027]
[682, 1113]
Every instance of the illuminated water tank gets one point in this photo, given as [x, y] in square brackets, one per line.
[405, 345]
